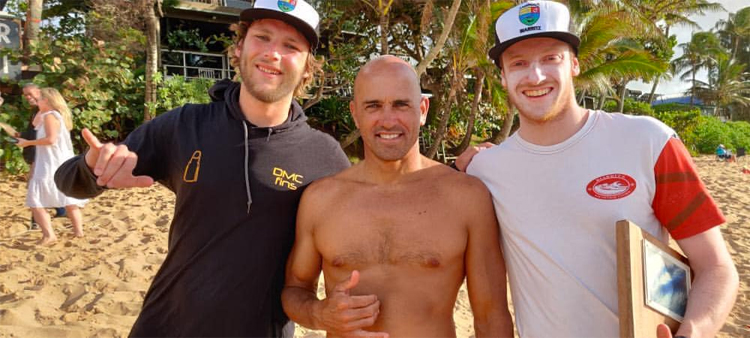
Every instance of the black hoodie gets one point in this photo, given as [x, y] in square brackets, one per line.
[224, 271]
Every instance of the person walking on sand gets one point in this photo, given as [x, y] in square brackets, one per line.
[53, 147]
[31, 94]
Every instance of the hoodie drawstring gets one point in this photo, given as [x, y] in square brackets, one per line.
[268, 138]
[247, 179]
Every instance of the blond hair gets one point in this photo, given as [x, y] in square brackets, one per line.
[313, 65]
[56, 101]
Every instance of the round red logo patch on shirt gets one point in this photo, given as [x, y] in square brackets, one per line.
[611, 187]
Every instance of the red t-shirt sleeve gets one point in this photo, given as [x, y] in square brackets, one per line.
[682, 203]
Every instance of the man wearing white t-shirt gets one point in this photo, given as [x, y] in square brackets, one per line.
[562, 181]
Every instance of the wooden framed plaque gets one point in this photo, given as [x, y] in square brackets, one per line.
[653, 281]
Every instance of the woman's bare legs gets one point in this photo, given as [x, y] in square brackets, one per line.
[75, 216]
[42, 218]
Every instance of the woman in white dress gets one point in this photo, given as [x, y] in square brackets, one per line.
[53, 147]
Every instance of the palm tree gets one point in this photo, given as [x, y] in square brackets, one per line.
[468, 54]
[736, 31]
[697, 54]
[670, 13]
[473, 44]
[609, 50]
[478, 38]
[662, 52]
[727, 84]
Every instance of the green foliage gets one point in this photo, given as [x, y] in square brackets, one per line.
[711, 132]
[68, 16]
[15, 114]
[332, 115]
[187, 39]
[702, 134]
[631, 107]
[684, 122]
[12, 158]
[175, 91]
[17, 8]
[96, 78]
[169, 3]
[670, 107]
[727, 84]
[739, 134]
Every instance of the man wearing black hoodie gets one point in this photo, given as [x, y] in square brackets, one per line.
[238, 167]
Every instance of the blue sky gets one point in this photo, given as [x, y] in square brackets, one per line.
[707, 22]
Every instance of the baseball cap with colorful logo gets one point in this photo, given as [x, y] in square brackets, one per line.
[533, 19]
[296, 13]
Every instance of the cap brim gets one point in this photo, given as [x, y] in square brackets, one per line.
[308, 32]
[499, 48]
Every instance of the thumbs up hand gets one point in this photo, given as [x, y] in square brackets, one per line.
[345, 315]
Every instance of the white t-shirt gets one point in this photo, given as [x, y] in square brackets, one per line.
[557, 207]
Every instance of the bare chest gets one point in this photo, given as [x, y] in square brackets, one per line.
[391, 229]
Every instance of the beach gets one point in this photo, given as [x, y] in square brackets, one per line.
[94, 286]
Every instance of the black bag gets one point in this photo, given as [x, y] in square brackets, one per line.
[29, 153]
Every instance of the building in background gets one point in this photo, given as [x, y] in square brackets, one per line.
[194, 34]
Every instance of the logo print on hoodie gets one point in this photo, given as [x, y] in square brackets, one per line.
[286, 179]
[192, 168]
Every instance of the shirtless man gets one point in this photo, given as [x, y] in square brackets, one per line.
[388, 234]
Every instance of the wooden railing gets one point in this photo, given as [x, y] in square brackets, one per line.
[193, 65]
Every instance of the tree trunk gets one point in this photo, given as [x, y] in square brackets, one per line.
[623, 90]
[653, 91]
[472, 115]
[384, 28]
[152, 54]
[349, 139]
[504, 132]
[436, 106]
[435, 50]
[692, 91]
[582, 100]
[318, 93]
[31, 29]
[602, 101]
[445, 115]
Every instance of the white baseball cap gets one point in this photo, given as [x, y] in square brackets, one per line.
[297, 13]
[533, 19]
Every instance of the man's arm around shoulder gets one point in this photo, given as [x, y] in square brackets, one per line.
[485, 268]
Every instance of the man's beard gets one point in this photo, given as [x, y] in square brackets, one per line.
[287, 85]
